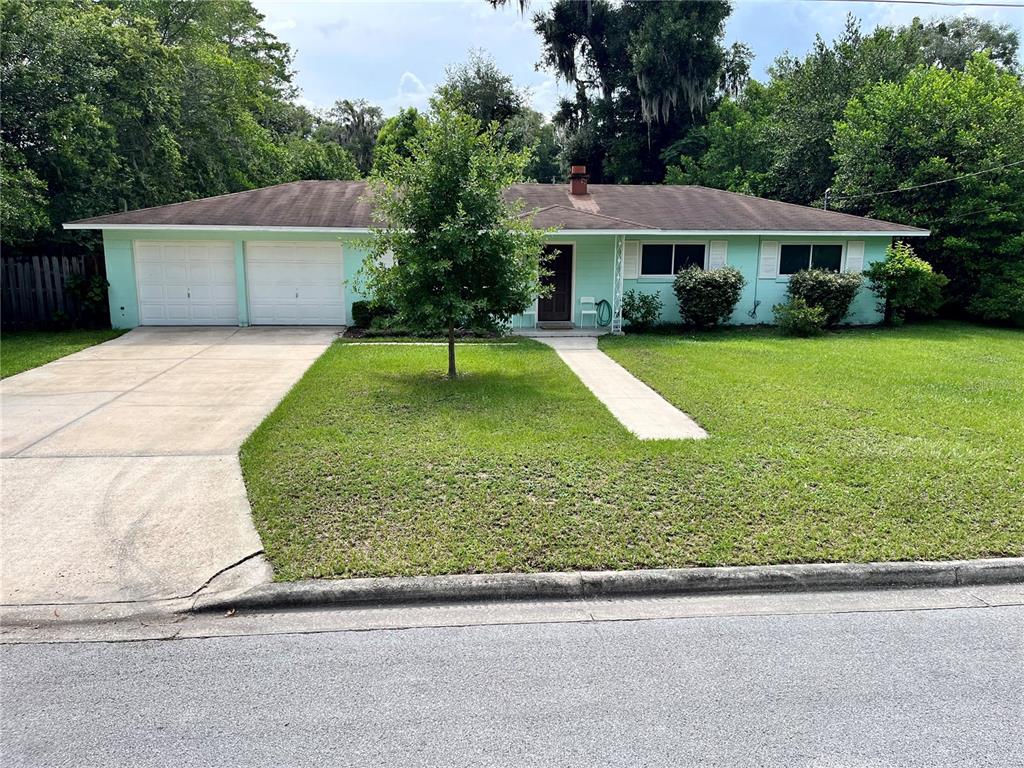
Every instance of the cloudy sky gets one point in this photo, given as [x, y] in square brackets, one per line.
[394, 53]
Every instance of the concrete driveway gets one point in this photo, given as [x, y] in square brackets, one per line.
[120, 475]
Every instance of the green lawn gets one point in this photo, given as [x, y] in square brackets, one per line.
[861, 445]
[21, 350]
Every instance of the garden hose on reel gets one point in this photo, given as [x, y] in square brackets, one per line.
[604, 313]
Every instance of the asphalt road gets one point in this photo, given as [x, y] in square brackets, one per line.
[911, 688]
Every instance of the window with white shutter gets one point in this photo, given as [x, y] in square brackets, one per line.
[855, 256]
[631, 265]
[768, 265]
[717, 254]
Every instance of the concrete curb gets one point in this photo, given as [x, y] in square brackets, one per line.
[589, 584]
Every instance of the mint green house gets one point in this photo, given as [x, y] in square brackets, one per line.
[288, 254]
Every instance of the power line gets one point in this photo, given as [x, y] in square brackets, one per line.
[921, 186]
[997, 207]
[948, 3]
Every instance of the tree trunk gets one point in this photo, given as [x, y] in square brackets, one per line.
[451, 349]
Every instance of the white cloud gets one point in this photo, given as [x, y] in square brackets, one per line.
[280, 25]
[411, 93]
[333, 27]
[409, 78]
[309, 104]
[545, 96]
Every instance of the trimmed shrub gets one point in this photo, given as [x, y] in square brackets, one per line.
[707, 297]
[832, 291]
[362, 315]
[905, 284]
[641, 310]
[798, 318]
[367, 314]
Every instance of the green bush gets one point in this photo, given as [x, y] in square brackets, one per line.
[707, 297]
[366, 314]
[641, 310]
[905, 284]
[89, 299]
[362, 315]
[832, 291]
[798, 318]
[1000, 297]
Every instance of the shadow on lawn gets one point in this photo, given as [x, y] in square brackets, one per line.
[938, 330]
[490, 389]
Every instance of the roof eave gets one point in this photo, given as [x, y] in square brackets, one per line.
[910, 232]
[210, 227]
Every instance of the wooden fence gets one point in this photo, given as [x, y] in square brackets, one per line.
[33, 288]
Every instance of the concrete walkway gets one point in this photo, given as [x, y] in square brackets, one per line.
[639, 408]
[120, 474]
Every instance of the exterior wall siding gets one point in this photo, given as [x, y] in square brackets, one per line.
[761, 294]
[120, 263]
[122, 293]
[593, 272]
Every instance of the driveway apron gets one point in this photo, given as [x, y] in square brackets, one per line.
[120, 478]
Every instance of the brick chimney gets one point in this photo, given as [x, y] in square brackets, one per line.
[578, 180]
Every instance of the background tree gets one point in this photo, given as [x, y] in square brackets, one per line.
[937, 125]
[318, 160]
[546, 163]
[485, 92]
[642, 74]
[463, 257]
[482, 90]
[132, 103]
[353, 125]
[951, 43]
[396, 135]
[732, 150]
[786, 126]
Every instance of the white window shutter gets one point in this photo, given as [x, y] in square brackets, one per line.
[631, 262]
[855, 256]
[717, 252]
[387, 260]
[769, 264]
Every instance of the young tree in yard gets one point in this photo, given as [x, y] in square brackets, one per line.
[462, 255]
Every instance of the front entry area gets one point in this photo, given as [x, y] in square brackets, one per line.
[557, 305]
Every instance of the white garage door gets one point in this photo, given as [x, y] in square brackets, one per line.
[295, 283]
[185, 283]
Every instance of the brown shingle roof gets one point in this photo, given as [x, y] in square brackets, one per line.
[344, 205]
[332, 204]
[564, 217]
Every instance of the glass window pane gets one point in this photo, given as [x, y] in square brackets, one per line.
[793, 258]
[656, 259]
[828, 257]
[689, 255]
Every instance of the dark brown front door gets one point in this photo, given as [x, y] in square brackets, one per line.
[557, 305]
